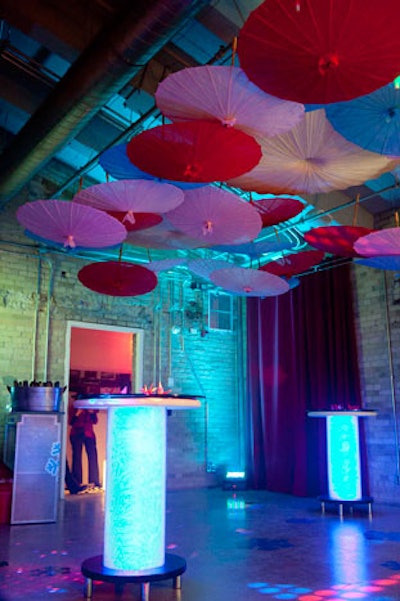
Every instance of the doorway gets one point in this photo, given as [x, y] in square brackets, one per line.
[100, 359]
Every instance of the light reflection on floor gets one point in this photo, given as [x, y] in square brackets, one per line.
[244, 545]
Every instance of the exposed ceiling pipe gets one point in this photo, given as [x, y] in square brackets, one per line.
[109, 63]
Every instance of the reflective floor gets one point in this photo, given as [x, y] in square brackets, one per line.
[248, 546]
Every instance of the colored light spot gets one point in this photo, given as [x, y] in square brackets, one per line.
[354, 595]
[309, 598]
[269, 590]
[286, 596]
[385, 581]
[257, 584]
[301, 590]
[324, 593]
[370, 589]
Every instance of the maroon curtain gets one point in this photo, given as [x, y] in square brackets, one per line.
[302, 356]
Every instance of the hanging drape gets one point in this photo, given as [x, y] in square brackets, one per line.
[302, 355]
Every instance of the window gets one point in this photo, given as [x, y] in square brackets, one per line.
[220, 314]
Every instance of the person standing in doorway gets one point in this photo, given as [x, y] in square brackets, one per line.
[81, 435]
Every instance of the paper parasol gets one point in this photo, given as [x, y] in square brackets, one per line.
[117, 278]
[372, 121]
[311, 158]
[130, 196]
[336, 239]
[293, 264]
[165, 264]
[117, 164]
[256, 249]
[249, 282]
[216, 216]
[194, 151]
[71, 224]
[386, 262]
[140, 221]
[326, 51]
[277, 209]
[382, 242]
[204, 267]
[163, 237]
[225, 94]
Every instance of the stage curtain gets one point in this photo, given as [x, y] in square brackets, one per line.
[301, 355]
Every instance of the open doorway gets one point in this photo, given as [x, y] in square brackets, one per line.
[100, 360]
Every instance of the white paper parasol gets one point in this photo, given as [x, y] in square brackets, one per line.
[249, 282]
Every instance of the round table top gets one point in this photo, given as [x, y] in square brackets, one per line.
[355, 413]
[168, 401]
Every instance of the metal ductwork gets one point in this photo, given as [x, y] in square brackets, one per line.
[117, 54]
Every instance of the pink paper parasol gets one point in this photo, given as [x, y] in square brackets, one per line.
[117, 278]
[336, 239]
[165, 264]
[138, 221]
[163, 237]
[194, 151]
[142, 196]
[216, 216]
[382, 242]
[249, 282]
[293, 264]
[71, 224]
[311, 158]
[225, 94]
[321, 51]
[277, 209]
[205, 267]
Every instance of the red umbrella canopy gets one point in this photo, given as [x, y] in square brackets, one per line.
[310, 158]
[194, 151]
[225, 94]
[71, 224]
[378, 243]
[321, 51]
[336, 239]
[294, 264]
[249, 282]
[277, 209]
[216, 216]
[117, 278]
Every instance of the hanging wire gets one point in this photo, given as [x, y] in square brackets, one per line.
[356, 206]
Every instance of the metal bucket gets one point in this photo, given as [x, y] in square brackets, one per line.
[36, 398]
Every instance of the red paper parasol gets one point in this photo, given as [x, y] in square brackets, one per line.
[142, 196]
[386, 262]
[216, 216]
[196, 151]
[139, 221]
[225, 94]
[116, 163]
[204, 267]
[294, 264]
[277, 209]
[336, 239]
[249, 282]
[382, 242]
[311, 158]
[118, 278]
[325, 51]
[71, 224]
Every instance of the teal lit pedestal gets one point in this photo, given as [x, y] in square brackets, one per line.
[134, 527]
[345, 483]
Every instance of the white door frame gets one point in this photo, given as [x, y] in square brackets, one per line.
[138, 370]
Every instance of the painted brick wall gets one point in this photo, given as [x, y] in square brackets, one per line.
[378, 332]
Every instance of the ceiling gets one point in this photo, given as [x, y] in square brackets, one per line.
[78, 77]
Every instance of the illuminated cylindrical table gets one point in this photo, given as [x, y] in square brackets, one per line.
[345, 482]
[134, 528]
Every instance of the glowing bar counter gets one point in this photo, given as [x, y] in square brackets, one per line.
[345, 484]
[134, 528]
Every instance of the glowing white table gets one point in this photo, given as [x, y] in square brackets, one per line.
[345, 485]
[134, 528]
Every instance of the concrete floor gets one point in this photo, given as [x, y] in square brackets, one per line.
[248, 546]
